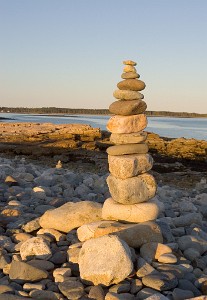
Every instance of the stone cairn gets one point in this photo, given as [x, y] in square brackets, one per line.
[128, 215]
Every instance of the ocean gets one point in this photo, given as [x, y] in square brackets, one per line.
[164, 126]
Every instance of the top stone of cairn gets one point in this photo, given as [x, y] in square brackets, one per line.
[129, 62]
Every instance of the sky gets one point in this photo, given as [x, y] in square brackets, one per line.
[69, 53]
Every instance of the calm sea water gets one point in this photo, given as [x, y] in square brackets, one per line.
[164, 126]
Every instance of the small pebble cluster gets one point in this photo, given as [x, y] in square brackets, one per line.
[42, 263]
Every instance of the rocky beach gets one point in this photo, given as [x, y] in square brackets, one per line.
[77, 222]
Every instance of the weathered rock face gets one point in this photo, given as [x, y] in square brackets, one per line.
[126, 166]
[135, 213]
[131, 84]
[132, 190]
[127, 95]
[141, 148]
[128, 138]
[127, 124]
[71, 215]
[105, 260]
[128, 108]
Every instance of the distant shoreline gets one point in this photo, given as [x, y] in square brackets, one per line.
[173, 115]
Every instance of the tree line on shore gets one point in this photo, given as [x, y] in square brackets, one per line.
[59, 110]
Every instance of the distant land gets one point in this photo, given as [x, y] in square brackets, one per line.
[79, 111]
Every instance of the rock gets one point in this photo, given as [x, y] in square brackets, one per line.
[132, 190]
[71, 215]
[167, 258]
[97, 293]
[41, 264]
[178, 270]
[180, 294]
[128, 138]
[23, 272]
[31, 225]
[105, 260]
[35, 247]
[135, 213]
[191, 253]
[126, 166]
[131, 84]
[118, 150]
[187, 220]
[127, 95]
[71, 289]
[157, 296]
[115, 296]
[134, 235]
[146, 292]
[136, 286]
[151, 251]
[45, 295]
[204, 287]
[56, 235]
[128, 108]
[129, 68]
[129, 62]
[127, 124]
[187, 285]
[11, 181]
[188, 241]
[6, 289]
[130, 75]
[123, 287]
[160, 282]
[33, 286]
[73, 253]
[143, 268]
[13, 297]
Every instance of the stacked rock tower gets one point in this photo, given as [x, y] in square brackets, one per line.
[130, 186]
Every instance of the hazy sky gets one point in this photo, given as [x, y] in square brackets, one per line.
[69, 53]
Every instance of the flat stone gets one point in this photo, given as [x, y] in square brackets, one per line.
[141, 148]
[145, 293]
[136, 286]
[152, 251]
[71, 289]
[31, 225]
[97, 293]
[178, 270]
[168, 258]
[128, 138]
[25, 273]
[131, 84]
[45, 295]
[187, 285]
[127, 166]
[127, 124]
[187, 220]
[105, 260]
[35, 247]
[144, 268]
[180, 294]
[122, 296]
[132, 190]
[127, 95]
[56, 235]
[41, 264]
[71, 215]
[129, 68]
[134, 235]
[6, 289]
[13, 297]
[190, 241]
[128, 108]
[130, 75]
[134, 213]
[129, 62]
[160, 282]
